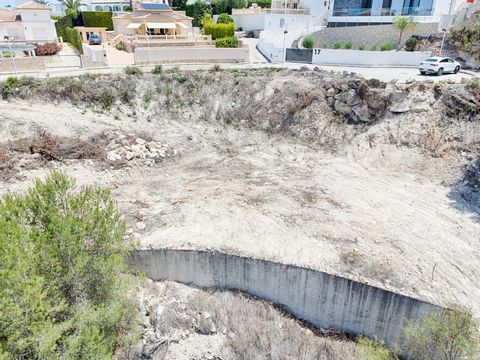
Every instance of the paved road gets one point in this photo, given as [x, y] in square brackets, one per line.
[384, 74]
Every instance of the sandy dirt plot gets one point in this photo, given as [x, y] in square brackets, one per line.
[375, 211]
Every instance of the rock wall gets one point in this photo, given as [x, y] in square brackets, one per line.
[325, 300]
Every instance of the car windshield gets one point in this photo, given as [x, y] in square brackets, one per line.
[94, 37]
[431, 60]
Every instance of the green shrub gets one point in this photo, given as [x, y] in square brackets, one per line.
[8, 54]
[410, 44]
[207, 19]
[374, 350]
[198, 11]
[127, 9]
[239, 4]
[119, 46]
[219, 6]
[73, 37]
[373, 48]
[133, 70]
[348, 45]
[387, 46]
[325, 45]
[61, 25]
[224, 19]
[219, 31]
[62, 281]
[158, 70]
[308, 42]
[98, 19]
[216, 68]
[451, 334]
[227, 42]
[361, 47]
[179, 4]
[261, 3]
[337, 45]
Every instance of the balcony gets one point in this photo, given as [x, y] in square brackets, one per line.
[257, 11]
[411, 11]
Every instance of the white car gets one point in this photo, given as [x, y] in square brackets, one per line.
[439, 65]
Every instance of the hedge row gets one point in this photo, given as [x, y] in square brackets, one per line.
[98, 19]
[227, 42]
[61, 25]
[219, 31]
[73, 37]
[261, 3]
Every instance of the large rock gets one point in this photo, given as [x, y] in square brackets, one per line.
[342, 108]
[332, 92]
[400, 107]
[376, 101]
[362, 113]
[348, 97]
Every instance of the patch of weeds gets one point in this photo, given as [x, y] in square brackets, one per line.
[133, 70]
[180, 78]
[147, 96]
[216, 68]
[233, 71]
[157, 70]
[106, 98]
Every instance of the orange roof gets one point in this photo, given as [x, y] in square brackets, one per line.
[8, 15]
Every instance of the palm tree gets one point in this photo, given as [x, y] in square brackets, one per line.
[403, 23]
[71, 7]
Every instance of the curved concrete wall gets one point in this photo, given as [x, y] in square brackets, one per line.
[325, 300]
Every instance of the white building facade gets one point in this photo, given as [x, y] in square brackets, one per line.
[30, 21]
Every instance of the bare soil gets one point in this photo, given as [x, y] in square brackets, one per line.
[259, 164]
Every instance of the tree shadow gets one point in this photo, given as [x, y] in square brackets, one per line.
[465, 195]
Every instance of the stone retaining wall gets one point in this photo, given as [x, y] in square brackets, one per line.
[325, 300]
[24, 64]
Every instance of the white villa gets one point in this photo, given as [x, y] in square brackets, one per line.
[30, 21]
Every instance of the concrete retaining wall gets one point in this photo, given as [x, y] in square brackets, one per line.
[188, 54]
[325, 300]
[24, 64]
[369, 58]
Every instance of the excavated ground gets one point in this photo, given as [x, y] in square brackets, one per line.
[375, 184]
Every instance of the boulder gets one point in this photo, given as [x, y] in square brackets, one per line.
[348, 97]
[332, 92]
[112, 156]
[400, 107]
[362, 113]
[376, 101]
[342, 108]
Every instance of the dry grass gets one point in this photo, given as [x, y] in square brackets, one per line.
[252, 329]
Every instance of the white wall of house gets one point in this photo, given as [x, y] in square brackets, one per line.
[249, 22]
[37, 25]
[320, 9]
[12, 30]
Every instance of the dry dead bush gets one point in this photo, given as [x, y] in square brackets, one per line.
[52, 147]
[253, 329]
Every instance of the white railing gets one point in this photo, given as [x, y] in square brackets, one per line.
[194, 38]
[256, 11]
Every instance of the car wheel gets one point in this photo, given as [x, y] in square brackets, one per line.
[457, 69]
[440, 72]
[423, 72]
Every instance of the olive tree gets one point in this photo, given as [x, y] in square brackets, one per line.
[449, 335]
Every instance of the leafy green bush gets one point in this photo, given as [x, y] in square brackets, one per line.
[207, 19]
[387, 46]
[62, 281]
[219, 6]
[179, 4]
[239, 4]
[224, 19]
[158, 70]
[373, 48]
[227, 42]
[374, 350]
[348, 45]
[133, 70]
[261, 3]
[73, 37]
[119, 46]
[410, 44]
[337, 45]
[98, 19]
[466, 35]
[361, 47]
[219, 31]
[8, 54]
[308, 42]
[198, 11]
[61, 25]
[451, 334]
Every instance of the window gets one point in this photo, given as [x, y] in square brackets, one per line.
[444, 61]
[324, 3]
[282, 22]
